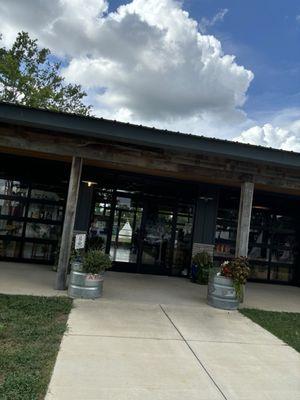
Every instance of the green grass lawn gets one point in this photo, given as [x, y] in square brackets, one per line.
[31, 329]
[284, 325]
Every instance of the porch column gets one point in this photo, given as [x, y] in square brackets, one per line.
[67, 233]
[243, 229]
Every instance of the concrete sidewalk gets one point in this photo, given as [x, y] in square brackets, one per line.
[38, 280]
[124, 350]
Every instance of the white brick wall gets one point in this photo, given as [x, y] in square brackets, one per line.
[198, 247]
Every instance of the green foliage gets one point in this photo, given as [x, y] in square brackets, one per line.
[95, 243]
[238, 270]
[284, 325]
[203, 263]
[95, 261]
[31, 329]
[29, 76]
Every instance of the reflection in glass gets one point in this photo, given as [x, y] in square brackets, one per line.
[11, 208]
[9, 248]
[45, 211]
[38, 251]
[126, 233]
[272, 239]
[259, 271]
[226, 229]
[42, 231]
[157, 236]
[183, 239]
[258, 253]
[98, 232]
[283, 256]
[99, 227]
[125, 203]
[283, 223]
[224, 250]
[13, 188]
[45, 195]
[280, 273]
[11, 228]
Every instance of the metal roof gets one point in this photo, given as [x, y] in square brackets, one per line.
[101, 128]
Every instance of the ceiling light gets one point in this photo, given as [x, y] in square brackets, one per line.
[90, 183]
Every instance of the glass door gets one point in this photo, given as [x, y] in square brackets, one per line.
[125, 237]
[142, 233]
[157, 238]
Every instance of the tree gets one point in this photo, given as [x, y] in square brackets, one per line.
[29, 76]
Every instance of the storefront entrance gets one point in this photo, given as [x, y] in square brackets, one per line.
[143, 233]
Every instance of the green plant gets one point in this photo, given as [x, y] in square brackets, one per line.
[75, 255]
[95, 243]
[238, 270]
[202, 263]
[95, 261]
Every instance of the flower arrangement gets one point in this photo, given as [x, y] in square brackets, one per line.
[238, 270]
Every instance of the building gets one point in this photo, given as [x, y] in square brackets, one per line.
[152, 198]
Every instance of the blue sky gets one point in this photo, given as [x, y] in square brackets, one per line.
[148, 62]
[264, 35]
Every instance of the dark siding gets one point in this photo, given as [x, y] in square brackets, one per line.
[83, 212]
[205, 219]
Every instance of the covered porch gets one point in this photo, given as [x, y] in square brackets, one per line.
[38, 280]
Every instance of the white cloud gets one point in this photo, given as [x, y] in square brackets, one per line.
[146, 61]
[283, 133]
[208, 23]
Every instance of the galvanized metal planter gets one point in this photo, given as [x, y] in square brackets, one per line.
[221, 293]
[84, 285]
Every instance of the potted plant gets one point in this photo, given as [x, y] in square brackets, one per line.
[201, 265]
[86, 278]
[226, 288]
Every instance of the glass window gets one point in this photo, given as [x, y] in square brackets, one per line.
[282, 255]
[38, 251]
[280, 272]
[45, 211]
[226, 226]
[47, 192]
[42, 231]
[11, 228]
[124, 203]
[100, 224]
[259, 271]
[257, 252]
[13, 188]
[283, 223]
[44, 195]
[11, 208]
[183, 240]
[18, 215]
[226, 250]
[10, 248]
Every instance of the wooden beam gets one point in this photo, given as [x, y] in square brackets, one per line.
[152, 161]
[245, 210]
[67, 233]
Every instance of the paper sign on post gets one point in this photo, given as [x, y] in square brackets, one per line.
[80, 241]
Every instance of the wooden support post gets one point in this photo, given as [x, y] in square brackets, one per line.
[243, 230]
[67, 233]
